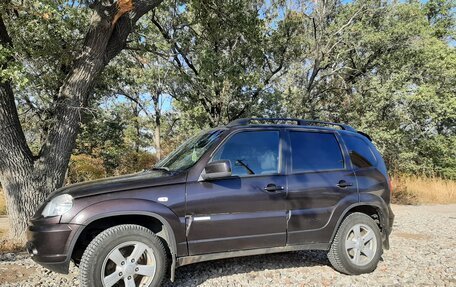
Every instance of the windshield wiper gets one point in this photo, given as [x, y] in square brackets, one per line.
[241, 163]
[161, 168]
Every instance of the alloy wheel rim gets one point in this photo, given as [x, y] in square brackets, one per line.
[130, 264]
[361, 244]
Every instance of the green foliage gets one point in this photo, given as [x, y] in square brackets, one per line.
[441, 14]
[389, 72]
[110, 138]
[46, 38]
[222, 58]
[387, 68]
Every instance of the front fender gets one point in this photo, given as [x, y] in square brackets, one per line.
[117, 207]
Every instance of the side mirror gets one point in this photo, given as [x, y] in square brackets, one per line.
[217, 169]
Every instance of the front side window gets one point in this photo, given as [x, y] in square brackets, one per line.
[251, 153]
[313, 151]
[360, 153]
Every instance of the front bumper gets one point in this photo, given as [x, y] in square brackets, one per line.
[50, 245]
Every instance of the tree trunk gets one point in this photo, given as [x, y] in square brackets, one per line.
[137, 130]
[157, 135]
[157, 132]
[25, 188]
[28, 179]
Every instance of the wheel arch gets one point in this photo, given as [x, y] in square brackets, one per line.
[374, 210]
[152, 221]
[100, 216]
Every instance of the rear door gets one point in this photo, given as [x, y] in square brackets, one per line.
[237, 213]
[320, 180]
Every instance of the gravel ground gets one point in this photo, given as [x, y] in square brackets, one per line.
[423, 253]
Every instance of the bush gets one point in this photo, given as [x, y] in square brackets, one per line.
[84, 167]
[131, 162]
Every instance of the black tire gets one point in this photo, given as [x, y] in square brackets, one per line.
[102, 245]
[339, 257]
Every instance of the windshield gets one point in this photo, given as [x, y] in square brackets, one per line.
[189, 152]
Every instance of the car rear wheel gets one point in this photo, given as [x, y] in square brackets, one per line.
[357, 246]
[124, 256]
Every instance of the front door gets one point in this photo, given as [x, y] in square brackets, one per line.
[246, 210]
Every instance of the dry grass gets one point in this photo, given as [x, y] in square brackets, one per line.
[2, 203]
[423, 190]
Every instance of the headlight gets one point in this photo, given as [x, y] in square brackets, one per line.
[58, 205]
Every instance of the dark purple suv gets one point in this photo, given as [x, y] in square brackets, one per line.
[244, 189]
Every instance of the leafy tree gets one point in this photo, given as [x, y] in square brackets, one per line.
[146, 85]
[390, 72]
[224, 54]
[27, 176]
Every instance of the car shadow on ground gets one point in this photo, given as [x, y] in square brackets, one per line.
[196, 274]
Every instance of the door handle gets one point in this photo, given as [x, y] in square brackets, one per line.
[273, 188]
[344, 184]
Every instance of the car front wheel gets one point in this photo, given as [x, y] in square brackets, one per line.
[124, 256]
[357, 246]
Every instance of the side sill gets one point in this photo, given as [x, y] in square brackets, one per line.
[186, 260]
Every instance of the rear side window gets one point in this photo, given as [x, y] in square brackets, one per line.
[361, 154]
[312, 151]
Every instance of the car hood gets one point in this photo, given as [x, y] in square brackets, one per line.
[121, 183]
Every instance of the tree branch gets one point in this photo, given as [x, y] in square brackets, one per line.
[148, 50]
[178, 49]
[14, 147]
[103, 42]
[124, 26]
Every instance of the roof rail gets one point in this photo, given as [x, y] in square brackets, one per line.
[300, 122]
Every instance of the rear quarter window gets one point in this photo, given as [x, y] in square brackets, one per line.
[361, 155]
[313, 151]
